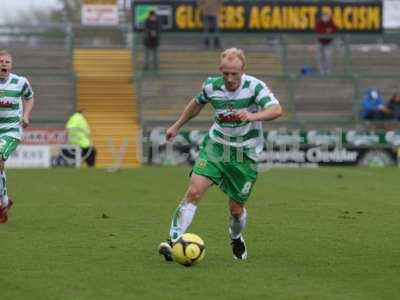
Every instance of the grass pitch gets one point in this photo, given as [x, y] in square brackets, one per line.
[312, 234]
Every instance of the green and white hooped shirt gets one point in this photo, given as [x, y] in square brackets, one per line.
[253, 95]
[12, 92]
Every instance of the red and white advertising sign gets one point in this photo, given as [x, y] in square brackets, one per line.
[30, 156]
[33, 136]
[100, 15]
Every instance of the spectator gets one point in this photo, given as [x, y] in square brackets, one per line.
[325, 28]
[210, 10]
[394, 106]
[79, 134]
[151, 40]
[373, 106]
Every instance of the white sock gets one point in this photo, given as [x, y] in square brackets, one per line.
[182, 219]
[236, 225]
[3, 189]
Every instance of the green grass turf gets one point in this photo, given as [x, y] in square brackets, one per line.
[312, 234]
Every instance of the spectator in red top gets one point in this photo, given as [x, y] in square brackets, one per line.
[325, 28]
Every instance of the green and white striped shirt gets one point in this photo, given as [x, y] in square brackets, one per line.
[12, 92]
[253, 95]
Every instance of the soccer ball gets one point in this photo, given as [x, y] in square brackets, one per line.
[188, 250]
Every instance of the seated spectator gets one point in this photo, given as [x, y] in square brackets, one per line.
[394, 106]
[373, 106]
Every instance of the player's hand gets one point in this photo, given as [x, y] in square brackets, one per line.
[246, 116]
[171, 133]
[25, 122]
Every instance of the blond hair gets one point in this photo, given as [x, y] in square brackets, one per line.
[4, 52]
[232, 54]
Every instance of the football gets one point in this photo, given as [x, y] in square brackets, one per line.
[188, 250]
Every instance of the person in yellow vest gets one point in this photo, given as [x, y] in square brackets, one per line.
[79, 134]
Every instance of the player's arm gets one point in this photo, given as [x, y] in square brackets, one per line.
[191, 110]
[272, 112]
[270, 107]
[27, 109]
[27, 103]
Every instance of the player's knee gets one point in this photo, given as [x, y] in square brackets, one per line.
[193, 193]
[236, 210]
[236, 214]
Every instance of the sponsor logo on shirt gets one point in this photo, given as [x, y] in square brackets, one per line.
[5, 103]
[228, 116]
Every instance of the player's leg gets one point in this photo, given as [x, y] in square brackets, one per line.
[238, 189]
[184, 213]
[215, 32]
[89, 154]
[205, 173]
[3, 187]
[320, 58]
[5, 202]
[328, 58]
[237, 219]
[7, 146]
[154, 54]
[237, 223]
[146, 58]
[206, 31]
[239, 176]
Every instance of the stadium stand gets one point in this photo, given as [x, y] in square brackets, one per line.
[97, 80]
[43, 61]
[106, 93]
[310, 101]
[375, 60]
[176, 91]
[324, 99]
[102, 78]
[56, 100]
[49, 69]
[206, 62]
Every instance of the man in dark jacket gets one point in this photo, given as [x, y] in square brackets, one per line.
[394, 106]
[210, 9]
[151, 40]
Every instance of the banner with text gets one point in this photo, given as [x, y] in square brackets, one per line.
[264, 16]
[391, 14]
[30, 156]
[44, 148]
[100, 13]
[285, 148]
[39, 136]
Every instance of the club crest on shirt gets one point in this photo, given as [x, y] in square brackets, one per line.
[229, 106]
[202, 163]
